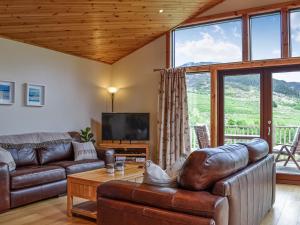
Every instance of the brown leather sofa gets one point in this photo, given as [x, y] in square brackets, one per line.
[41, 173]
[229, 185]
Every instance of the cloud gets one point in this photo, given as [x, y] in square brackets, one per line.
[295, 18]
[207, 49]
[218, 29]
[296, 36]
[295, 26]
[236, 33]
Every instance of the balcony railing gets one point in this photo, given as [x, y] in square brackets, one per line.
[235, 134]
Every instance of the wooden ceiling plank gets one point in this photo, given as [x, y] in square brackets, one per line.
[104, 30]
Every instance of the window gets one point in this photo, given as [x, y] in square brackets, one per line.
[295, 32]
[208, 44]
[198, 91]
[265, 36]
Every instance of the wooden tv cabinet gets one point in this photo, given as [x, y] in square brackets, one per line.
[128, 150]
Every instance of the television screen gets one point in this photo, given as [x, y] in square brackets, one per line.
[125, 126]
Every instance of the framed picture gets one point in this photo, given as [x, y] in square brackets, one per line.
[7, 92]
[35, 95]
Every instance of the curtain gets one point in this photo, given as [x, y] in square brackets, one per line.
[173, 124]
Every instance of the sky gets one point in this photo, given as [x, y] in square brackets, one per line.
[222, 42]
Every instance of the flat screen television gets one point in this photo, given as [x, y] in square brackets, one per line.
[125, 126]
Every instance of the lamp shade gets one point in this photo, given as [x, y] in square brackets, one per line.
[112, 90]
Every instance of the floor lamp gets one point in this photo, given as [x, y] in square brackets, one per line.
[112, 91]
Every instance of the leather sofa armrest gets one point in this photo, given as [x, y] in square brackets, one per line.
[225, 187]
[200, 203]
[106, 155]
[250, 192]
[4, 187]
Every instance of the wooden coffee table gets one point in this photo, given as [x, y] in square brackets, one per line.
[84, 185]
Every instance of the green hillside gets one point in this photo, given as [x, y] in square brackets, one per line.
[242, 101]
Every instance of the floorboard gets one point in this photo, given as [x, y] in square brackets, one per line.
[286, 210]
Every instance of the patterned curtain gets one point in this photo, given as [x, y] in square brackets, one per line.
[173, 124]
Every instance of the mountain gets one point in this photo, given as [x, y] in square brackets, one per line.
[201, 83]
[196, 84]
[198, 64]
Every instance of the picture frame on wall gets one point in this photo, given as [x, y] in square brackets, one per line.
[7, 92]
[35, 95]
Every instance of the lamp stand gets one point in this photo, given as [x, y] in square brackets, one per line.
[112, 102]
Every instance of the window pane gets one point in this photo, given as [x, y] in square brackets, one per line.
[295, 33]
[198, 91]
[208, 44]
[265, 36]
[241, 108]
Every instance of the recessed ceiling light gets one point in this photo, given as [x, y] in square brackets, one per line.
[161, 11]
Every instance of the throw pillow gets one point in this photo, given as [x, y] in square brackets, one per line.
[175, 169]
[7, 158]
[156, 176]
[84, 151]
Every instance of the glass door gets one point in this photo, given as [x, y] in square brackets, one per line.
[240, 106]
[286, 121]
[263, 103]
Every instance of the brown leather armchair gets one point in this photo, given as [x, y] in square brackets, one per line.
[240, 192]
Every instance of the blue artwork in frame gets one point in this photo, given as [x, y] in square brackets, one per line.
[35, 95]
[7, 92]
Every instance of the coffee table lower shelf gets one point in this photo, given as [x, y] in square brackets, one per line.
[84, 186]
[88, 209]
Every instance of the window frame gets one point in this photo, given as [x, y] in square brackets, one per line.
[202, 73]
[284, 10]
[285, 60]
[250, 33]
[200, 25]
[290, 31]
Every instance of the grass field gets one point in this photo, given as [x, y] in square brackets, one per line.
[242, 108]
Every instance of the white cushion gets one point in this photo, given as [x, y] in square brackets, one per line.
[84, 151]
[155, 175]
[175, 169]
[6, 157]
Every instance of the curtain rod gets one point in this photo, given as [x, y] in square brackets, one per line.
[158, 70]
[161, 69]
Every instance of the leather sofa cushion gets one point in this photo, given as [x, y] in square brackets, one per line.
[36, 193]
[205, 167]
[56, 152]
[79, 166]
[4, 188]
[257, 148]
[194, 203]
[24, 157]
[35, 175]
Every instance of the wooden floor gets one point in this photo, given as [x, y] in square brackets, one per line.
[286, 211]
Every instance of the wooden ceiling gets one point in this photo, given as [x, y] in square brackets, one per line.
[102, 30]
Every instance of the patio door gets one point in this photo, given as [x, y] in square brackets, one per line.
[263, 103]
[286, 122]
[242, 106]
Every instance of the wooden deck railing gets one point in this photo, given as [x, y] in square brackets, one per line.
[234, 134]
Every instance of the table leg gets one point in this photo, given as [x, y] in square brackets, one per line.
[69, 201]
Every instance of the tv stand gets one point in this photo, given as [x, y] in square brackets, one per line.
[131, 151]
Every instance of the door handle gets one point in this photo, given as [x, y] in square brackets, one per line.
[269, 127]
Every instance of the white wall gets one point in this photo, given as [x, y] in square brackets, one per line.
[74, 89]
[139, 84]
